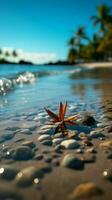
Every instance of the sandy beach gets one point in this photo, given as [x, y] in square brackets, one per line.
[35, 163]
[96, 64]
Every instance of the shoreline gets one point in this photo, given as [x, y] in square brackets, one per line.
[95, 65]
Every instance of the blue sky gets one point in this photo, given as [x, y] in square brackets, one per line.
[44, 26]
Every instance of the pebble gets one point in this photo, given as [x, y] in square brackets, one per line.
[46, 131]
[72, 134]
[96, 134]
[47, 142]
[26, 132]
[107, 174]
[26, 176]
[69, 144]
[38, 157]
[32, 128]
[79, 151]
[82, 135]
[8, 136]
[47, 127]
[71, 161]
[22, 153]
[88, 121]
[29, 143]
[56, 141]
[58, 135]
[58, 149]
[44, 137]
[7, 172]
[107, 144]
[86, 190]
[73, 108]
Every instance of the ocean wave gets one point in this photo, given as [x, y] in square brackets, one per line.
[20, 79]
[9, 84]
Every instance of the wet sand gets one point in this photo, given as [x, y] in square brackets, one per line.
[57, 181]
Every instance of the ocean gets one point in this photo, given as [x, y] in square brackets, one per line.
[25, 88]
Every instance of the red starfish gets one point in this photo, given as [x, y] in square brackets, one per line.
[60, 119]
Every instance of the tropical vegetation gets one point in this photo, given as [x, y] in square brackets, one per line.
[98, 47]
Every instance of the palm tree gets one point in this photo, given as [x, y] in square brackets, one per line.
[15, 53]
[80, 36]
[103, 18]
[72, 55]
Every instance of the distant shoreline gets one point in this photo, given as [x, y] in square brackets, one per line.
[64, 63]
[95, 64]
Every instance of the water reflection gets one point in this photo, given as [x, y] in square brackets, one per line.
[95, 83]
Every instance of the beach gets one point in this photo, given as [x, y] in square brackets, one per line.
[96, 64]
[35, 162]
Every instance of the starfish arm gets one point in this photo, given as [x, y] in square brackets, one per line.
[52, 115]
[62, 111]
[72, 118]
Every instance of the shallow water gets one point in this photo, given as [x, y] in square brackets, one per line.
[26, 88]
[24, 91]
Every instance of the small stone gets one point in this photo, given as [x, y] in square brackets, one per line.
[38, 157]
[26, 132]
[47, 127]
[57, 141]
[32, 128]
[57, 148]
[73, 108]
[46, 132]
[71, 161]
[22, 153]
[29, 143]
[44, 137]
[107, 174]
[82, 135]
[58, 135]
[107, 144]
[72, 134]
[89, 121]
[47, 142]
[8, 136]
[96, 134]
[79, 151]
[86, 190]
[8, 172]
[69, 144]
[26, 176]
